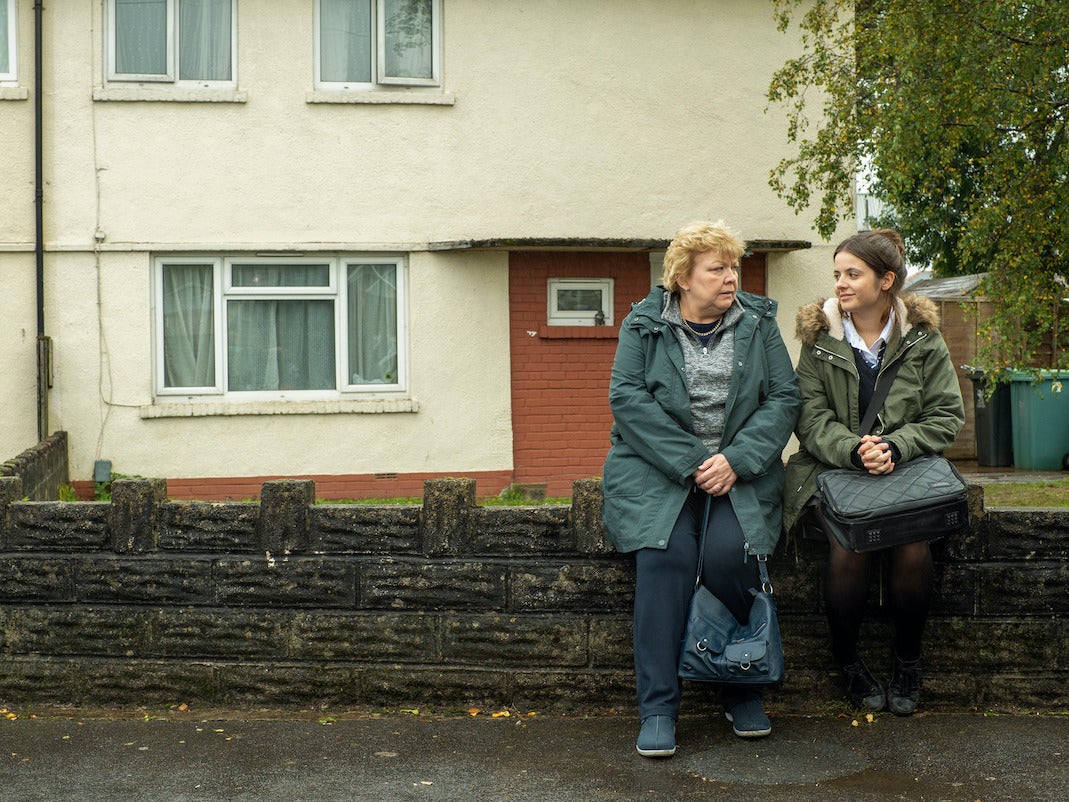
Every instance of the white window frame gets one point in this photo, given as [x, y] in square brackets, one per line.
[560, 317]
[172, 68]
[336, 291]
[10, 12]
[382, 81]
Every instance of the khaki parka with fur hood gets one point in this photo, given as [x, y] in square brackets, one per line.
[923, 412]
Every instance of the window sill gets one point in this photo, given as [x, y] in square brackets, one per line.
[205, 409]
[578, 332]
[399, 98]
[14, 93]
[169, 94]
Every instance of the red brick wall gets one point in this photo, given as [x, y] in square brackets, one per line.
[560, 376]
[754, 274]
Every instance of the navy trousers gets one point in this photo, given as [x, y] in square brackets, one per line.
[664, 583]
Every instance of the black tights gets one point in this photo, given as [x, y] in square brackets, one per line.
[846, 587]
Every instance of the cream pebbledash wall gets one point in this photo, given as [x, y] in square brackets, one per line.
[562, 119]
[18, 351]
[18, 304]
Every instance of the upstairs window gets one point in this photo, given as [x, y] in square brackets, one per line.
[8, 37]
[280, 328]
[365, 44]
[190, 42]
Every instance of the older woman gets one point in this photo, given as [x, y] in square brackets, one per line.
[704, 399]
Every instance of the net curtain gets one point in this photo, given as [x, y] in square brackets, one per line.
[204, 38]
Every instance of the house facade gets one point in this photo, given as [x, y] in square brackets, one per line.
[365, 241]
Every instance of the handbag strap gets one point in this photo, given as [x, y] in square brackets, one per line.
[879, 395]
[762, 559]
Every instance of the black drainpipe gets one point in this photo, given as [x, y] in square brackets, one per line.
[44, 343]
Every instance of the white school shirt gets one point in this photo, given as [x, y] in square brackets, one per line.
[871, 355]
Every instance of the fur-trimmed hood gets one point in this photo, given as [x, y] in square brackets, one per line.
[910, 311]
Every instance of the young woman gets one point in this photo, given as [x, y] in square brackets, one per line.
[704, 399]
[847, 342]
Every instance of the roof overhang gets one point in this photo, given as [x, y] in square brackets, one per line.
[597, 244]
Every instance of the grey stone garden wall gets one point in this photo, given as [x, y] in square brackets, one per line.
[285, 603]
[41, 469]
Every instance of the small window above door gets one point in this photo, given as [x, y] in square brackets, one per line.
[580, 302]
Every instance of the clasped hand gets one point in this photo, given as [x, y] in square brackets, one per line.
[715, 476]
[875, 454]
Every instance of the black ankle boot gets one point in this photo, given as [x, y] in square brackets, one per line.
[862, 687]
[905, 689]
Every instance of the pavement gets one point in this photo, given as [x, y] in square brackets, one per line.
[77, 756]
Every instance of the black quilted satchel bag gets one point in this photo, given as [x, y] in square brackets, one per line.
[922, 499]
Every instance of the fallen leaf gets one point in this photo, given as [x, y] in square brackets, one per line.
[854, 723]
[473, 711]
[411, 711]
[501, 714]
[869, 718]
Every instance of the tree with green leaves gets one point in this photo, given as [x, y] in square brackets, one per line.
[958, 113]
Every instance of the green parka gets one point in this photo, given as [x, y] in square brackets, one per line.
[654, 451]
[922, 414]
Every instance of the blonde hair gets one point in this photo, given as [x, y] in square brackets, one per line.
[694, 239]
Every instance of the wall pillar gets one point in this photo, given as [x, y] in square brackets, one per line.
[283, 526]
[585, 515]
[133, 517]
[446, 515]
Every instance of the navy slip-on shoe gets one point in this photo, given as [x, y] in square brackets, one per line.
[747, 715]
[657, 738]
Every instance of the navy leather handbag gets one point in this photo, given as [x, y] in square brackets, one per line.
[718, 648]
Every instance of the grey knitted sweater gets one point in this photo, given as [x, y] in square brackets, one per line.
[708, 370]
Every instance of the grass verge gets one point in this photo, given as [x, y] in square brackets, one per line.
[1027, 494]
